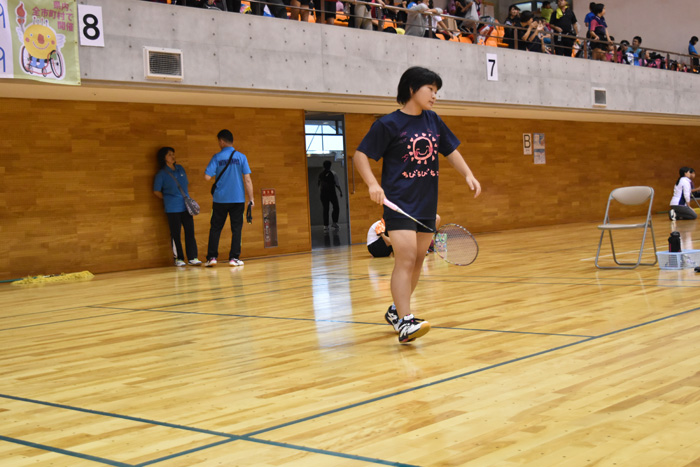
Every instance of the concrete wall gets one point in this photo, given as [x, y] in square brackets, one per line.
[225, 52]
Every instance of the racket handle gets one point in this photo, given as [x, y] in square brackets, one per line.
[391, 205]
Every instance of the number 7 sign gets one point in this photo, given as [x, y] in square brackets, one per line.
[91, 26]
[492, 67]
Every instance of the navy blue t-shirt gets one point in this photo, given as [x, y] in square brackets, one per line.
[409, 146]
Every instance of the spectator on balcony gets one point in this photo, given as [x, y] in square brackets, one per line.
[622, 54]
[362, 14]
[564, 22]
[528, 31]
[472, 13]
[589, 17]
[544, 35]
[610, 51]
[693, 52]
[437, 26]
[546, 12]
[325, 11]
[639, 55]
[598, 33]
[509, 33]
[417, 22]
[299, 9]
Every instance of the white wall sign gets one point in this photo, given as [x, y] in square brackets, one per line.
[91, 26]
[492, 67]
[527, 144]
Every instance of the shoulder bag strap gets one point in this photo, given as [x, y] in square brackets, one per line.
[227, 164]
[184, 195]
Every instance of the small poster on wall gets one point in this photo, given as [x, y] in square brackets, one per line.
[538, 145]
[269, 212]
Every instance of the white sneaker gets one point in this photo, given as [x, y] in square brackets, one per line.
[336, 226]
[411, 328]
[179, 263]
[325, 228]
[194, 262]
[235, 262]
[210, 262]
[672, 214]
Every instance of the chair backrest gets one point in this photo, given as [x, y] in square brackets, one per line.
[632, 195]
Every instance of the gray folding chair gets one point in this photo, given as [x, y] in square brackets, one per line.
[630, 196]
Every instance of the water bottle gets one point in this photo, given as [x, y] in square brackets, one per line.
[674, 242]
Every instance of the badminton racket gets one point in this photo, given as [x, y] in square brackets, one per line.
[453, 243]
[456, 245]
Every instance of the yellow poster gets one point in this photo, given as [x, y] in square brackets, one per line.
[39, 40]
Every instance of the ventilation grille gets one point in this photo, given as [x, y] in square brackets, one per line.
[600, 97]
[163, 64]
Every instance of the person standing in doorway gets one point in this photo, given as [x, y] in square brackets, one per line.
[232, 182]
[328, 183]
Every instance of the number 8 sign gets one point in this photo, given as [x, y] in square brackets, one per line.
[91, 26]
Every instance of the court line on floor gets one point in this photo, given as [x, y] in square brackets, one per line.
[68, 320]
[65, 452]
[229, 438]
[479, 276]
[425, 279]
[251, 436]
[468, 373]
[340, 321]
[44, 312]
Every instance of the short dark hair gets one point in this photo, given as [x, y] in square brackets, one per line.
[162, 152]
[545, 3]
[598, 8]
[591, 5]
[326, 165]
[638, 39]
[526, 16]
[694, 39]
[225, 135]
[413, 79]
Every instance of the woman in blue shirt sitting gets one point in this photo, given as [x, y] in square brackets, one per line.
[165, 187]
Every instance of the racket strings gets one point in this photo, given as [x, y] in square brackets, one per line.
[456, 245]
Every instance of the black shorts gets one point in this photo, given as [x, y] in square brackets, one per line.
[405, 223]
[379, 249]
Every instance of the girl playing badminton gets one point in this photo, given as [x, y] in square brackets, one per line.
[408, 142]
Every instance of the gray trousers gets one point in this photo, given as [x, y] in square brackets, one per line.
[684, 213]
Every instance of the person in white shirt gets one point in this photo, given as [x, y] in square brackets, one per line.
[680, 203]
[378, 243]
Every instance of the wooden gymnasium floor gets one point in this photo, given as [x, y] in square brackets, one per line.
[535, 358]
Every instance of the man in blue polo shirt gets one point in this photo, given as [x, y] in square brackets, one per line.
[232, 174]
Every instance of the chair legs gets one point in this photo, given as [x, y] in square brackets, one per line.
[621, 265]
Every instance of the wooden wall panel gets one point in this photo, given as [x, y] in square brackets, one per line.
[76, 177]
[585, 161]
[76, 181]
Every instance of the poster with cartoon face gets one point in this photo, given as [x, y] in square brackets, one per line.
[44, 46]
